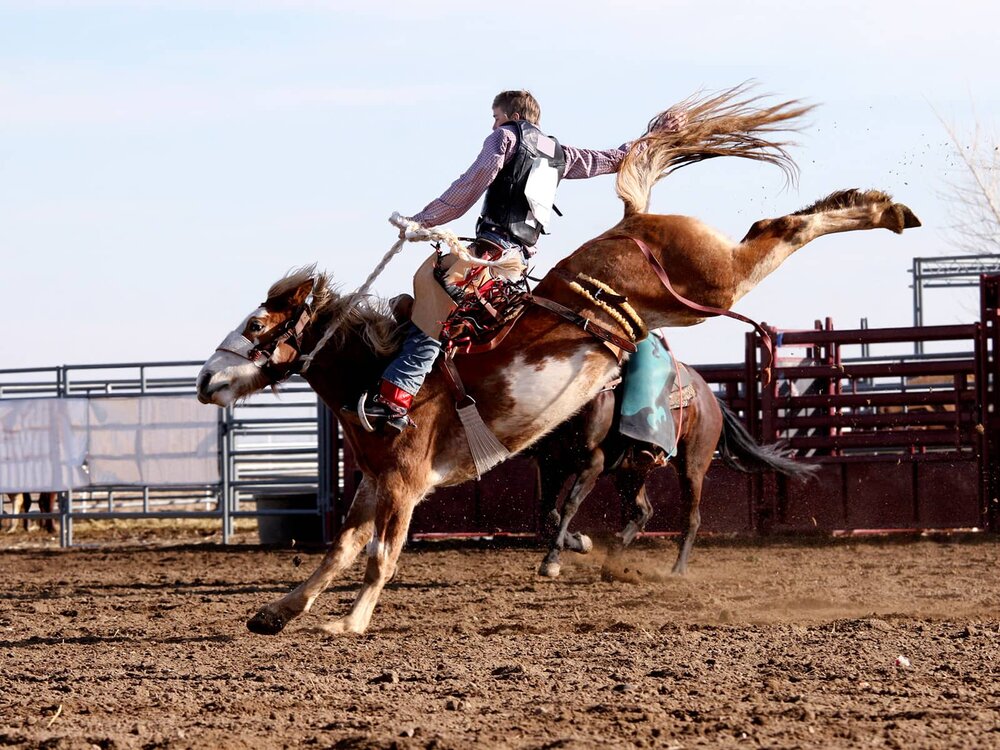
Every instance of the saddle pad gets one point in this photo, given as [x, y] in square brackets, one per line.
[648, 395]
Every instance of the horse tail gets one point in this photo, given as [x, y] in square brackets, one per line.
[741, 452]
[729, 123]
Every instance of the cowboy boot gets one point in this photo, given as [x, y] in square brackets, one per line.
[389, 407]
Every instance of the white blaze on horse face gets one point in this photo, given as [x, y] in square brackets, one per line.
[226, 377]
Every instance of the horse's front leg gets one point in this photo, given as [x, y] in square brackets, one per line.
[585, 481]
[394, 509]
[357, 531]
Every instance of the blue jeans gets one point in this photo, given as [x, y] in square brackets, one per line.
[414, 361]
[419, 351]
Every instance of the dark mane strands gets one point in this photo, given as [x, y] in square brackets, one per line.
[849, 198]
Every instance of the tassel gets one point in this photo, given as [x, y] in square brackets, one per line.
[486, 450]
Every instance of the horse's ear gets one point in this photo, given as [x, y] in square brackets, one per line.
[292, 298]
[301, 294]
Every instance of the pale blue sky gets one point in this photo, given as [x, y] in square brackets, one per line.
[161, 163]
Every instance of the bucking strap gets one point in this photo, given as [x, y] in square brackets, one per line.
[713, 311]
[595, 329]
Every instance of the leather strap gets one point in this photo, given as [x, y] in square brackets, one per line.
[665, 280]
[595, 329]
[453, 379]
[597, 293]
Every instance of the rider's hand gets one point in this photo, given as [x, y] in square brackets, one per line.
[669, 122]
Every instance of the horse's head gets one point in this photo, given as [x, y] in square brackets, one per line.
[264, 349]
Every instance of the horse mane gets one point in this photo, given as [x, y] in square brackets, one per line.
[366, 316]
[728, 123]
[846, 199]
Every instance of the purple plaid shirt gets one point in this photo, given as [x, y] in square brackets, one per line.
[498, 149]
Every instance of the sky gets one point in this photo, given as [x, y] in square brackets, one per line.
[163, 162]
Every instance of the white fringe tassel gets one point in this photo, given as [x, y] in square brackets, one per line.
[486, 450]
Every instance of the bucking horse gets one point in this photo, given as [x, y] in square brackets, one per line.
[648, 271]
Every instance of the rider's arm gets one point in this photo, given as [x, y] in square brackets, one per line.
[498, 148]
[584, 162]
[587, 162]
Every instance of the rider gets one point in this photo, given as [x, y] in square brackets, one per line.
[518, 169]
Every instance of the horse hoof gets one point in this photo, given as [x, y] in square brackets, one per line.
[585, 544]
[549, 569]
[898, 217]
[267, 622]
[910, 219]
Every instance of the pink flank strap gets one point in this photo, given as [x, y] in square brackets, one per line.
[765, 375]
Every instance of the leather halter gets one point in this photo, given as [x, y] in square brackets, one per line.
[261, 353]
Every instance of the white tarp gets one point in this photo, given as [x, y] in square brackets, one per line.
[43, 444]
[153, 440]
[60, 444]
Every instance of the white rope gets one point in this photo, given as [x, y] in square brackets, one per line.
[410, 231]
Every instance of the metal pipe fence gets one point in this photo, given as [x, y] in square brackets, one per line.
[269, 447]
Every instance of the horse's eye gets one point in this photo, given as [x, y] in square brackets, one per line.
[256, 326]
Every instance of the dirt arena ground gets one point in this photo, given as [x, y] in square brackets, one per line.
[777, 645]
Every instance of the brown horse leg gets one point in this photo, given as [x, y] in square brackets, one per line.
[631, 483]
[46, 502]
[396, 501]
[694, 457]
[690, 475]
[577, 542]
[771, 241]
[357, 531]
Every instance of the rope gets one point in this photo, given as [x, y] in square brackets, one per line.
[411, 231]
[623, 304]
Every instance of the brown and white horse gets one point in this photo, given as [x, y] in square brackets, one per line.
[547, 369]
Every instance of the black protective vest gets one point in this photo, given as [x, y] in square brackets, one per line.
[505, 206]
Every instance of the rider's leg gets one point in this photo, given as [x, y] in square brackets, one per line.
[401, 380]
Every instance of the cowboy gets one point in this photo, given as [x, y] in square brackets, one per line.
[518, 170]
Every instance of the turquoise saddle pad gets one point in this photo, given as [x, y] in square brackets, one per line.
[649, 377]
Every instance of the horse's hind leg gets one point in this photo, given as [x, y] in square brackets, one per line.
[690, 477]
[562, 539]
[357, 531]
[694, 457]
[771, 241]
[631, 483]
[396, 501]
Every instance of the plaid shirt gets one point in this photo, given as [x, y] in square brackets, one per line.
[498, 149]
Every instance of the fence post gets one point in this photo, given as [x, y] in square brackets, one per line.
[987, 378]
[326, 460]
[225, 419]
